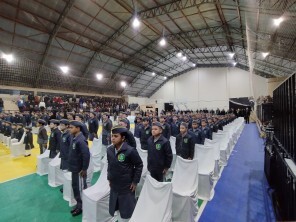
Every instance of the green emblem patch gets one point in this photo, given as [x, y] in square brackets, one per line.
[147, 132]
[185, 140]
[158, 146]
[121, 157]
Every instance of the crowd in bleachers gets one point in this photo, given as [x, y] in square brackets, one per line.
[70, 103]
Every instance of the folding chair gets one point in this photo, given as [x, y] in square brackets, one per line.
[42, 163]
[18, 148]
[55, 174]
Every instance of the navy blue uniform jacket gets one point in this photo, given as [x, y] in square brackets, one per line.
[93, 125]
[160, 154]
[124, 168]
[144, 136]
[175, 128]
[197, 135]
[138, 129]
[166, 132]
[79, 155]
[65, 148]
[54, 142]
[185, 146]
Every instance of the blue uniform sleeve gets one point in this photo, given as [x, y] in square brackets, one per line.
[191, 147]
[96, 126]
[85, 154]
[138, 164]
[168, 155]
[58, 136]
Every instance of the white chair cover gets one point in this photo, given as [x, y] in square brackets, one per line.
[42, 163]
[206, 165]
[68, 194]
[216, 146]
[96, 153]
[173, 147]
[143, 154]
[1, 137]
[6, 141]
[35, 130]
[185, 185]
[55, 174]
[18, 148]
[95, 200]
[138, 143]
[155, 202]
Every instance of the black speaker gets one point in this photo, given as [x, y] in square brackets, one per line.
[168, 107]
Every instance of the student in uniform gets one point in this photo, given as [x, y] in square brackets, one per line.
[166, 127]
[8, 129]
[42, 135]
[175, 126]
[145, 133]
[79, 118]
[159, 153]
[28, 141]
[65, 143]
[138, 127]
[130, 139]
[93, 126]
[106, 133]
[124, 172]
[124, 116]
[205, 131]
[20, 131]
[195, 130]
[78, 161]
[185, 143]
[54, 139]
[13, 131]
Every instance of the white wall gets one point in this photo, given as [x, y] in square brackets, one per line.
[210, 88]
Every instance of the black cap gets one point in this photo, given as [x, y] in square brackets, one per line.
[79, 115]
[28, 128]
[124, 120]
[14, 124]
[55, 121]
[8, 122]
[118, 129]
[184, 124]
[41, 121]
[157, 124]
[64, 121]
[76, 123]
[145, 119]
[195, 121]
[20, 124]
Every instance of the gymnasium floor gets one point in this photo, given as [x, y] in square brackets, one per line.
[240, 194]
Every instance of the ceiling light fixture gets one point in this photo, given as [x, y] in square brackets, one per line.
[123, 84]
[64, 69]
[162, 42]
[265, 54]
[164, 77]
[193, 64]
[136, 22]
[99, 76]
[278, 21]
[153, 74]
[234, 64]
[231, 54]
[184, 58]
[8, 57]
[179, 54]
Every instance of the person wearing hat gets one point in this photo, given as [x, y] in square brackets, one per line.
[124, 116]
[185, 143]
[65, 143]
[166, 127]
[54, 139]
[13, 131]
[160, 154]
[20, 131]
[93, 126]
[28, 141]
[79, 118]
[130, 139]
[106, 133]
[42, 137]
[7, 129]
[195, 131]
[205, 131]
[138, 126]
[124, 172]
[78, 161]
[145, 133]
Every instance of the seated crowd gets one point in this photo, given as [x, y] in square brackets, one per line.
[71, 130]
